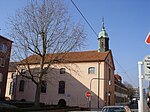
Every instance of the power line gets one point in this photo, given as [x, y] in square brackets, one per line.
[84, 18]
[97, 36]
[124, 72]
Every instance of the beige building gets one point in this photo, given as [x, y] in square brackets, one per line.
[69, 81]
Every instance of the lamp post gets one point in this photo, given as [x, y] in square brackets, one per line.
[109, 83]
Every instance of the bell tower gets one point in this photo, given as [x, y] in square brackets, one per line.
[103, 39]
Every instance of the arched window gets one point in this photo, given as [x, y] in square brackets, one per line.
[91, 70]
[61, 89]
[21, 85]
[62, 70]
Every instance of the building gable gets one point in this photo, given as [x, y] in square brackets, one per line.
[109, 60]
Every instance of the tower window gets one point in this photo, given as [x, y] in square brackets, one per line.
[102, 44]
[91, 70]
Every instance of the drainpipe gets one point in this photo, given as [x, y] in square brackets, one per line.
[15, 80]
[98, 85]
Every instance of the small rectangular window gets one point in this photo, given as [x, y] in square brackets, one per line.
[2, 62]
[23, 71]
[62, 71]
[91, 70]
[3, 48]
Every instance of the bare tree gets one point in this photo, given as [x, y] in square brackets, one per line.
[41, 28]
[131, 90]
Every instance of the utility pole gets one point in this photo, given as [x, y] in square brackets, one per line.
[109, 83]
[141, 105]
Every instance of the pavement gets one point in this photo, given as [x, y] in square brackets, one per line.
[7, 105]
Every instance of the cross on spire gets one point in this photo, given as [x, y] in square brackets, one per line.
[103, 27]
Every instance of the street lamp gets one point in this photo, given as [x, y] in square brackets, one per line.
[108, 93]
[109, 83]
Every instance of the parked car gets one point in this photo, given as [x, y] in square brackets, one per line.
[116, 109]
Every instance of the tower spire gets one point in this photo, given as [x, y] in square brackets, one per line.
[103, 39]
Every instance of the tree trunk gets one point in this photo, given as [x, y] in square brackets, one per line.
[37, 95]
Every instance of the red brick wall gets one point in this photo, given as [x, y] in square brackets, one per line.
[4, 70]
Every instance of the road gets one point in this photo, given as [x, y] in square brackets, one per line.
[134, 107]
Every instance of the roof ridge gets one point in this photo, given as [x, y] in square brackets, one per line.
[82, 56]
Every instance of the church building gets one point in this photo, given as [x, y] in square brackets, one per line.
[89, 72]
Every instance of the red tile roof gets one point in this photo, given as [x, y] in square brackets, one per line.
[118, 77]
[84, 56]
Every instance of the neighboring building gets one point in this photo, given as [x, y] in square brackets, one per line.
[134, 94]
[69, 81]
[11, 82]
[121, 91]
[5, 50]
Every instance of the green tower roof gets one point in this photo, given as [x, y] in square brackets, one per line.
[103, 32]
